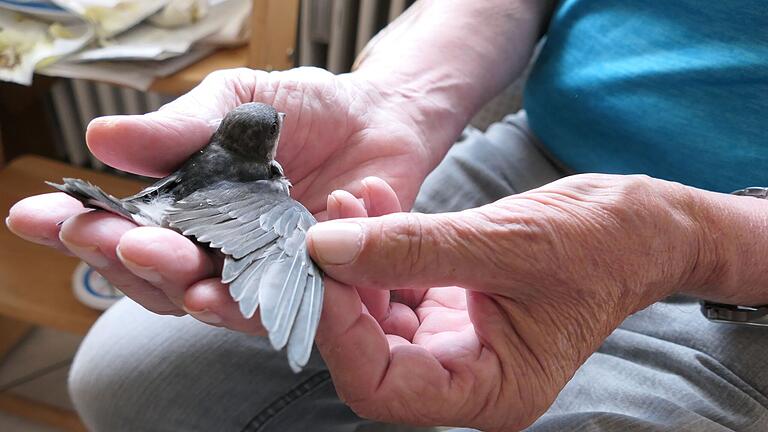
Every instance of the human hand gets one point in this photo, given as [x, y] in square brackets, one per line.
[541, 279]
[338, 130]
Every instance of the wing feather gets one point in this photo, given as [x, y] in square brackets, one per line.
[194, 216]
[287, 222]
[305, 327]
[262, 232]
[247, 291]
[276, 289]
[244, 246]
[235, 267]
[248, 210]
[207, 220]
[271, 217]
[232, 228]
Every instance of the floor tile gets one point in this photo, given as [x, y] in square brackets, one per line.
[42, 360]
[42, 348]
[50, 389]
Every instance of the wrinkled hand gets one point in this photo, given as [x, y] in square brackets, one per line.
[338, 130]
[542, 278]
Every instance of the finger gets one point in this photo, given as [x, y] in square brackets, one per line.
[154, 144]
[351, 342]
[367, 376]
[333, 208]
[94, 237]
[167, 260]
[38, 218]
[404, 250]
[342, 205]
[379, 197]
[321, 216]
[394, 318]
[209, 301]
[395, 341]
[400, 320]
[409, 297]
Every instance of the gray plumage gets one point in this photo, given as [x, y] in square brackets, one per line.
[232, 195]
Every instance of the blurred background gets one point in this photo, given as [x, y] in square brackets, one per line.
[64, 62]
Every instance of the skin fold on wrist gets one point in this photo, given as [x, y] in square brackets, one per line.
[733, 242]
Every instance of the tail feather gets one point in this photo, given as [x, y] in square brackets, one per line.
[93, 197]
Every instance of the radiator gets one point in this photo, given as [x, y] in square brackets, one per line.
[331, 34]
[74, 103]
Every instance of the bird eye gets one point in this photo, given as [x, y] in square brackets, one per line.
[273, 130]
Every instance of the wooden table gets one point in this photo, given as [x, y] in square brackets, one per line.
[35, 287]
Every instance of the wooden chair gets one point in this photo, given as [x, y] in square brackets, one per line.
[35, 287]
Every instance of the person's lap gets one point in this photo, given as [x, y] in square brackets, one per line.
[666, 368]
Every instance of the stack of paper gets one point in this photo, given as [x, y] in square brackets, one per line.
[129, 42]
[27, 43]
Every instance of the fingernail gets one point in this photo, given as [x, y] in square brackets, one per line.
[336, 242]
[332, 200]
[149, 274]
[90, 254]
[104, 121]
[205, 316]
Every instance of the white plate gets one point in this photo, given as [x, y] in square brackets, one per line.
[92, 289]
[40, 8]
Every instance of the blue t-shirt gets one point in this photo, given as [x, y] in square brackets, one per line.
[676, 89]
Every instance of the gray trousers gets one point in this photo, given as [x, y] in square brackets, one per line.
[665, 369]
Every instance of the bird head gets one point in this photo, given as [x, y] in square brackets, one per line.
[251, 130]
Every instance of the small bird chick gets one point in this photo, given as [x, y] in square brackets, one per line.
[233, 196]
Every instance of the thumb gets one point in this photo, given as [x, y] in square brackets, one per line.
[156, 143]
[400, 250]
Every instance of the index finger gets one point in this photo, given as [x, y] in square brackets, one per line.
[347, 338]
[38, 218]
[374, 372]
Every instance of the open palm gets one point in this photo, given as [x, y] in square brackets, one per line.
[435, 356]
[545, 276]
[338, 129]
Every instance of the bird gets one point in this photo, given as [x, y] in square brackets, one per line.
[233, 196]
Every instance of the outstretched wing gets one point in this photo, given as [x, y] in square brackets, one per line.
[262, 232]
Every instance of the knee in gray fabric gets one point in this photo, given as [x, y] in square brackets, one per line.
[94, 381]
[126, 381]
[134, 371]
[138, 371]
